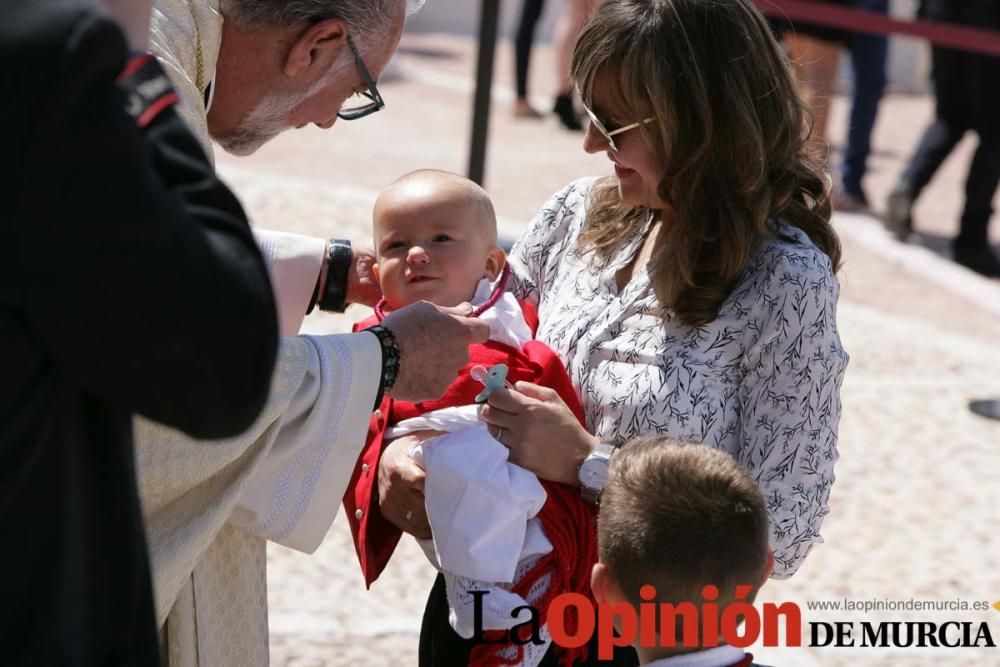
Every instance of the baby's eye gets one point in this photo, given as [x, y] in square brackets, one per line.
[441, 238]
[393, 245]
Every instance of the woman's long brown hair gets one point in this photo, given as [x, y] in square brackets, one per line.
[730, 130]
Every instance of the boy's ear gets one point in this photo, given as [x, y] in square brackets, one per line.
[598, 582]
[604, 586]
[375, 273]
[317, 47]
[495, 260]
[768, 567]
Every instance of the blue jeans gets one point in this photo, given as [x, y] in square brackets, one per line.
[868, 58]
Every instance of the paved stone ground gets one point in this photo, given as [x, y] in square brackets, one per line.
[914, 512]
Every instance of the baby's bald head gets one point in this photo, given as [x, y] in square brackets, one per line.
[435, 238]
[427, 191]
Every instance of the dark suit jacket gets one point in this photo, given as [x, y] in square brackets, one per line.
[983, 14]
[129, 283]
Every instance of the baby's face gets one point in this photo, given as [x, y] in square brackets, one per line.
[435, 251]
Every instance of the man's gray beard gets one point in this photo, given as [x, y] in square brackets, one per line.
[263, 123]
[270, 118]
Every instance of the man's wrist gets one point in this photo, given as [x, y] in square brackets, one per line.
[390, 360]
[320, 282]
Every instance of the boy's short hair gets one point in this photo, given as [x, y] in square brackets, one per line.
[680, 516]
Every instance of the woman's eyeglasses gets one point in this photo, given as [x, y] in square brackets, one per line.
[608, 134]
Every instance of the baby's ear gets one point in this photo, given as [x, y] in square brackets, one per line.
[375, 272]
[495, 260]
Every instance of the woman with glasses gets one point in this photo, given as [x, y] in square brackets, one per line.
[692, 294]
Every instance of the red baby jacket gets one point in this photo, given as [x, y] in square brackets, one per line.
[375, 538]
[568, 521]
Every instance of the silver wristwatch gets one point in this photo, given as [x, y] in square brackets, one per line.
[593, 472]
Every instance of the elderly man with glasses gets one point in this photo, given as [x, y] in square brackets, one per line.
[246, 70]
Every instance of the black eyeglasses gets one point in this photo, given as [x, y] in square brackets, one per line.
[375, 100]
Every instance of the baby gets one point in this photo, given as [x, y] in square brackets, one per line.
[496, 527]
[435, 239]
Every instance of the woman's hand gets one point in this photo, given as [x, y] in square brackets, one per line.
[401, 486]
[541, 431]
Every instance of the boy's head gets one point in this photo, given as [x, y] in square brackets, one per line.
[435, 238]
[679, 516]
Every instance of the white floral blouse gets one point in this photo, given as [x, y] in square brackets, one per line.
[761, 382]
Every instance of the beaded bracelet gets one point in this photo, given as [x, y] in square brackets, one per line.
[390, 358]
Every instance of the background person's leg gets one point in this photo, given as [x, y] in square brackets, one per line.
[939, 139]
[868, 59]
[937, 142]
[815, 63]
[531, 11]
[574, 17]
[971, 247]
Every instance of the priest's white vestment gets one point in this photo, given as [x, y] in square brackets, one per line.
[210, 506]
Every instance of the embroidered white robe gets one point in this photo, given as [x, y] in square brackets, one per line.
[210, 506]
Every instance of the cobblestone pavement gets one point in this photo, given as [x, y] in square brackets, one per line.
[914, 512]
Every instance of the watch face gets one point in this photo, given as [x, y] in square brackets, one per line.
[594, 473]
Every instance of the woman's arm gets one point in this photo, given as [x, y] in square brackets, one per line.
[527, 415]
[790, 399]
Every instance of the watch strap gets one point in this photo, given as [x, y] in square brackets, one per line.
[603, 451]
[592, 496]
[338, 266]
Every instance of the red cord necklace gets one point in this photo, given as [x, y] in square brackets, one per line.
[479, 310]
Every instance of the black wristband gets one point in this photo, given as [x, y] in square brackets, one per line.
[338, 265]
[390, 359]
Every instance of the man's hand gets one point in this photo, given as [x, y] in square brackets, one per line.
[362, 287]
[433, 347]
